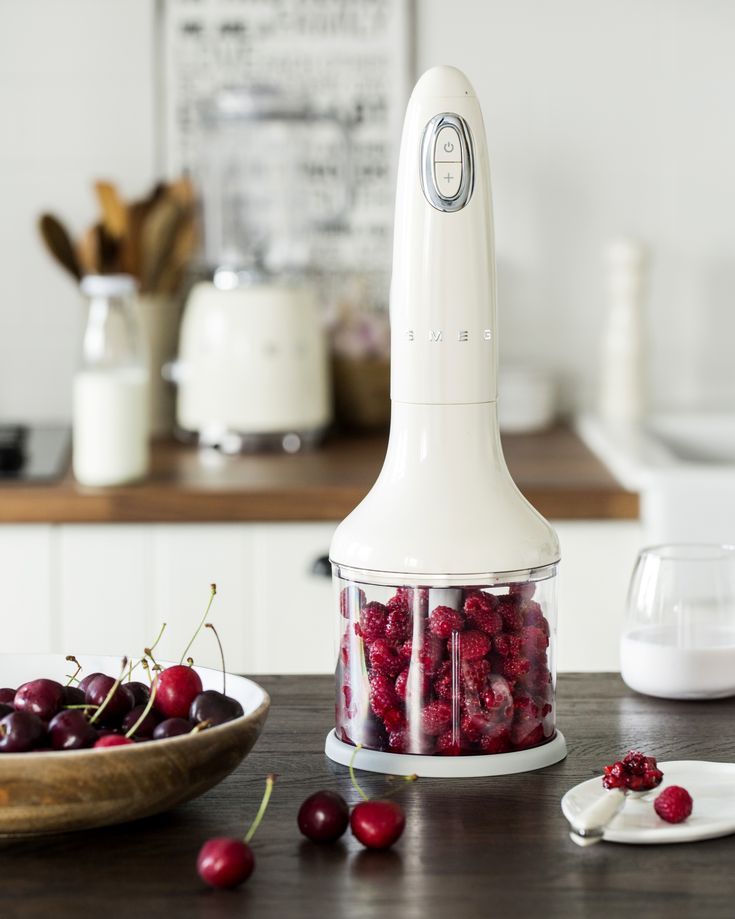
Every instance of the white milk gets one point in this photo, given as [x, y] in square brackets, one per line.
[110, 426]
[652, 662]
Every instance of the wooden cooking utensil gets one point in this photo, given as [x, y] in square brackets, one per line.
[59, 244]
[114, 211]
[158, 237]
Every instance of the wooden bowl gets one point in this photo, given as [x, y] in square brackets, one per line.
[55, 792]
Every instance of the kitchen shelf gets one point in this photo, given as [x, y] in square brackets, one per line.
[554, 470]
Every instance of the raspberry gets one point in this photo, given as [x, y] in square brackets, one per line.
[423, 683]
[436, 717]
[538, 681]
[444, 684]
[383, 696]
[372, 622]
[475, 725]
[398, 602]
[522, 590]
[394, 720]
[532, 615]
[637, 772]
[473, 645]
[444, 620]
[534, 641]
[515, 667]
[525, 709]
[405, 651]
[510, 613]
[448, 744]
[674, 804]
[474, 674]
[497, 697]
[384, 659]
[507, 645]
[480, 611]
[496, 740]
[398, 741]
[398, 624]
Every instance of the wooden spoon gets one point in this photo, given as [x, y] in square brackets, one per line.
[158, 239]
[114, 211]
[59, 244]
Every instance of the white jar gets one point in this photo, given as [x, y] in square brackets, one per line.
[110, 424]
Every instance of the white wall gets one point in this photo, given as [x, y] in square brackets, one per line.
[602, 117]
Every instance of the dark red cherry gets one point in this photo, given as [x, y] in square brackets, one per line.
[323, 817]
[5, 709]
[73, 695]
[20, 732]
[147, 725]
[377, 824]
[172, 727]
[40, 697]
[7, 695]
[85, 681]
[214, 707]
[70, 730]
[140, 691]
[120, 702]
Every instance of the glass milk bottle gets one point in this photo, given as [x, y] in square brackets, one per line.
[110, 426]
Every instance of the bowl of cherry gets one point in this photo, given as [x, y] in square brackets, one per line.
[112, 746]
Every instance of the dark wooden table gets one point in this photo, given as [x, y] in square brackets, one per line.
[494, 847]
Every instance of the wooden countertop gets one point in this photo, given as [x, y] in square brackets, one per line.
[554, 470]
[472, 848]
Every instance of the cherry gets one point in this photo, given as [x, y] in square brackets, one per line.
[20, 732]
[141, 693]
[7, 695]
[377, 824]
[40, 697]
[323, 817]
[70, 730]
[226, 862]
[172, 727]
[84, 683]
[147, 725]
[177, 688]
[112, 740]
[116, 707]
[214, 707]
[73, 695]
[5, 709]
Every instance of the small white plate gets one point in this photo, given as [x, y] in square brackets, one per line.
[711, 785]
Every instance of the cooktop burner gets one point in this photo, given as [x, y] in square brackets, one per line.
[33, 453]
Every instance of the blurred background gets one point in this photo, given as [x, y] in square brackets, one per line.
[243, 152]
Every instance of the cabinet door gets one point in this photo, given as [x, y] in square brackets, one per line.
[103, 573]
[25, 575]
[294, 627]
[187, 559]
[597, 559]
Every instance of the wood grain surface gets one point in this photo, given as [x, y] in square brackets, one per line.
[554, 470]
[494, 847]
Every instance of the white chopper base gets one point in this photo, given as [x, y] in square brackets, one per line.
[447, 767]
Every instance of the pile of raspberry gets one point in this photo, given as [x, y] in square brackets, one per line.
[477, 682]
[635, 772]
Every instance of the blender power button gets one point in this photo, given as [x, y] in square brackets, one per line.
[447, 148]
[447, 162]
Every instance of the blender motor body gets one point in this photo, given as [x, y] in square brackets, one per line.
[445, 574]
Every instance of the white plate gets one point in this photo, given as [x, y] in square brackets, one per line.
[711, 785]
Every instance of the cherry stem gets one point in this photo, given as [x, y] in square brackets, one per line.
[213, 591]
[85, 706]
[111, 693]
[148, 707]
[352, 774]
[200, 726]
[73, 676]
[144, 663]
[149, 652]
[269, 783]
[210, 625]
[158, 637]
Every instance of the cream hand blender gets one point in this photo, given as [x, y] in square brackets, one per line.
[444, 574]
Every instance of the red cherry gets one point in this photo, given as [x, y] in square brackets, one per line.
[42, 698]
[225, 862]
[178, 686]
[323, 817]
[112, 740]
[377, 824]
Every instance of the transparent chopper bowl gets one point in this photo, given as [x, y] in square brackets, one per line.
[460, 670]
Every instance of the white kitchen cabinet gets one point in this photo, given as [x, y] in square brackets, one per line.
[102, 599]
[295, 626]
[27, 586]
[187, 558]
